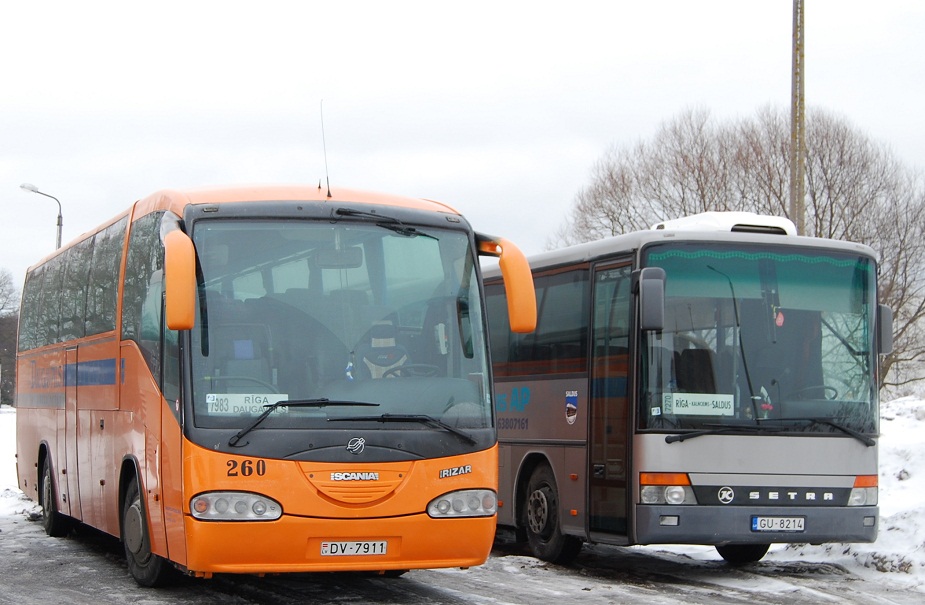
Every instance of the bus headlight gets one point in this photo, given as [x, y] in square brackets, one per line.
[667, 494]
[234, 506]
[863, 496]
[864, 492]
[665, 488]
[464, 503]
[674, 494]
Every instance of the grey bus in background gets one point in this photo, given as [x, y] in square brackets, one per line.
[713, 380]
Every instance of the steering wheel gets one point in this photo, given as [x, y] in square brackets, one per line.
[825, 390]
[412, 369]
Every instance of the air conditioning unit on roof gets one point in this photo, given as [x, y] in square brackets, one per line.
[730, 221]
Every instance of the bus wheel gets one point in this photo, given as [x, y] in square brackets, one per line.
[147, 568]
[742, 554]
[542, 520]
[54, 523]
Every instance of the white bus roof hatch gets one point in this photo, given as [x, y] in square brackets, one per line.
[730, 221]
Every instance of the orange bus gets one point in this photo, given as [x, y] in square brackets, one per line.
[263, 380]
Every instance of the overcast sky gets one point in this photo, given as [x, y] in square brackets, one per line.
[499, 109]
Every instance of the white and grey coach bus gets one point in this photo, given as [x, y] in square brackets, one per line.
[713, 380]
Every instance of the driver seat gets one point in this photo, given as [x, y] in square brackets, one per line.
[382, 353]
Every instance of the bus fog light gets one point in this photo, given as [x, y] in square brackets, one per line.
[870, 521]
[234, 506]
[464, 503]
[669, 520]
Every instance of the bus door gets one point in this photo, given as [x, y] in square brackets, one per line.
[609, 444]
[70, 485]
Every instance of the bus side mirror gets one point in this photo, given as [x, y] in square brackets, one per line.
[650, 286]
[518, 281]
[180, 280]
[885, 325]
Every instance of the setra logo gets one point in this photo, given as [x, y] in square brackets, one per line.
[356, 445]
[726, 495]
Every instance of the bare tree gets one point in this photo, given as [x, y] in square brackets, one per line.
[9, 318]
[9, 295]
[855, 190]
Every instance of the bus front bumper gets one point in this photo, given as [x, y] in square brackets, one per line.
[659, 524]
[299, 544]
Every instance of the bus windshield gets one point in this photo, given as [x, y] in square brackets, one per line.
[339, 325]
[759, 336]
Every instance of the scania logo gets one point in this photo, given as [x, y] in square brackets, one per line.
[356, 445]
[726, 495]
[355, 476]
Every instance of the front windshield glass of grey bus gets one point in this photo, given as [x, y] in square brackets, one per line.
[350, 313]
[764, 336]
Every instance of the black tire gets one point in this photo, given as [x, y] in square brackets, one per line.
[147, 568]
[541, 520]
[742, 554]
[54, 523]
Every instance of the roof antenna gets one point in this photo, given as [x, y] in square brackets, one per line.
[325, 148]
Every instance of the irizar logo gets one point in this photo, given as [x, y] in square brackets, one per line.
[354, 476]
[455, 471]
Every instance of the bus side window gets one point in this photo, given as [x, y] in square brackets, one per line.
[142, 299]
[104, 278]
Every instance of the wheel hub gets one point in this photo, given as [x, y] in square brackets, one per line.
[133, 526]
[537, 511]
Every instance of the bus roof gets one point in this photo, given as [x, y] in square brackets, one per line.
[176, 200]
[630, 243]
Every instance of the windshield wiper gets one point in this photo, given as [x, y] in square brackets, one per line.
[869, 442]
[422, 418]
[388, 222]
[718, 429]
[320, 402]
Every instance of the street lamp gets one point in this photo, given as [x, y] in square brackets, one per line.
[34, 189]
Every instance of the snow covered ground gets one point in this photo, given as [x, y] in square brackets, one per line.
[898, 555]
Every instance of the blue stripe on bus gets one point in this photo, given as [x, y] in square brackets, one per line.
[101, 372]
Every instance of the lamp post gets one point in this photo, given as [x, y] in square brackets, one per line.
[34, 189]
